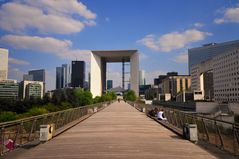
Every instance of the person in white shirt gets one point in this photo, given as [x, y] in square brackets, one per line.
[160, 115]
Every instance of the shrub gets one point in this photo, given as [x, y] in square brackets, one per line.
[83, 97]
[8, 116]
[36, 111]
[130, 95]
[97, 99]
[50, 107]
[65, 105]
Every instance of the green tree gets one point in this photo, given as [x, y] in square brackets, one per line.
[130, 95]
[83, 97]
[7, 116]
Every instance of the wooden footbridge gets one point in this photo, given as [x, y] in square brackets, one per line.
[117, 131]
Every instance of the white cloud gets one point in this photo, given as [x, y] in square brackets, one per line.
[61, 48]
[18, 61]
[142, 56]
[15, 73]
[198, 25]
[173, 40]
[45, 16]
[69, 7]
[90, 22]
[150, 75]
[229, 15]
[182, 58]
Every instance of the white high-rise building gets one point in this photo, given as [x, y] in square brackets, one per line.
[3, 64]
[226, 76]
[141, 77]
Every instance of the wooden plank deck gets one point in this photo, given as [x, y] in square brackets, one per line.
[118, 131]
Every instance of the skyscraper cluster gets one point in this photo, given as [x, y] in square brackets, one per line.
[32, 86]
[214, 69]
[71, 76]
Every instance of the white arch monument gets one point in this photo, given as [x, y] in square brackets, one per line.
[98, 68]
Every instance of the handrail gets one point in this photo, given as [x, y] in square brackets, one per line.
[220, 133]
[43, 115]
[14, 134]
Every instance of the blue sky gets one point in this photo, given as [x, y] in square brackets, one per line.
[46, 33]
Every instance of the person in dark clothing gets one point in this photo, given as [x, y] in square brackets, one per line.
[153, 112]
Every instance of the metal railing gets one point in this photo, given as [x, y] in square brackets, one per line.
[222, 134]
[24, 131]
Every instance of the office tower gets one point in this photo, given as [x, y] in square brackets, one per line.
[3, 64]
[226, 76]
[109, 84]
[206, 84]
[59, 77]
[65, 75]
[38, 75]
[197, 70]
[160, 78]
[31, 89]
[78, 74]
[9, 89]
[141, 77]
[176, 84]
[27, 77]
[208, 51]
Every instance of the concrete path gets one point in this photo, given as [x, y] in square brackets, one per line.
[118, 131]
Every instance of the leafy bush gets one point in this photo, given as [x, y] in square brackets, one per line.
[65, 105]
[97, 99]
[130, 95]
[83, 97]
[50, 107]
[37, 111]
[8, 116]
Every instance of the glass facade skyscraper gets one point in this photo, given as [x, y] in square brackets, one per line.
[78, 74]
[59, 77]
[63, 74]
[38, 75]
[109, 84]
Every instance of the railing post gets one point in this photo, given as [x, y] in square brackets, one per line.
[176, 121]
[57, 120]
[219, 134]
[18, 135]
[206, 131]
[180, 119]
[236, 129]
[32, 128]
[52, 118]
[234, 138]
[2, 141]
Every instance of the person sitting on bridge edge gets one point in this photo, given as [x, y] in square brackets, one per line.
[153, 112]
[160, 115]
